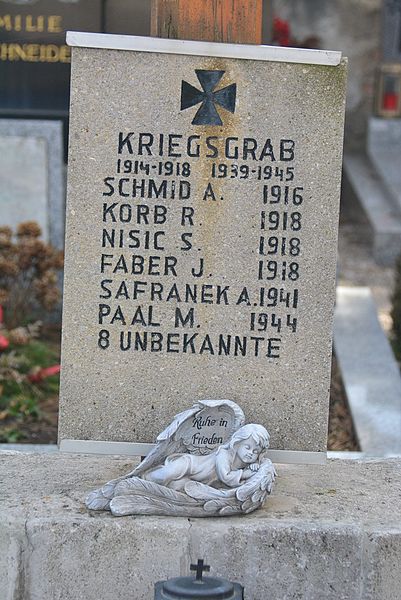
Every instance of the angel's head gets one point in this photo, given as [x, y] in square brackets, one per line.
[249, 441]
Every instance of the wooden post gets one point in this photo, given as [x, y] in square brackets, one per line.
[235, 21]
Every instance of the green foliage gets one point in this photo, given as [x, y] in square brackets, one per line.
[40, 354]
[23, 406]
[19, 397]
[9, 435]
[28, 281]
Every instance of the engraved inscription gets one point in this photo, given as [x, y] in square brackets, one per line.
[155, 299]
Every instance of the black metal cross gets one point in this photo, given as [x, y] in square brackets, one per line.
[199, 568]
[207, 113]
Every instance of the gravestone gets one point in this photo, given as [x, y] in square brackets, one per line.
[392, 31]
[203, 197]
[34, 58]
[384, 148]
[32, 176]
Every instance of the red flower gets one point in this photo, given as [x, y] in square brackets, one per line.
[43, 373]
[4, 343]
[281, 32]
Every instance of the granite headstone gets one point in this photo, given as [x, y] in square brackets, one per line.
[203, 198]
[32, 176]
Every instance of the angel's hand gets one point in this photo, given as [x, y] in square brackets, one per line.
[247, 473]
[254, 466]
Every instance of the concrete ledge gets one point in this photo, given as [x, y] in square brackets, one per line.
[39, 448]
[363, 186]
[328, 532]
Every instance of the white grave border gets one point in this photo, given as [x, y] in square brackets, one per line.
[195, 48]
[137, 449]
[165, 46]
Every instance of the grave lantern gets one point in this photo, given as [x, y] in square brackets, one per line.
[388, 90]
[198, 587]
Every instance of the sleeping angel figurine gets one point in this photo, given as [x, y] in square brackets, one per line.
[179, 479]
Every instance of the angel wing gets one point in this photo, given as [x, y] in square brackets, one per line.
[244, 499]
[170, 441]
[201, 491]
[137, 496]
[173, 440]
[253, 492]
[167, 442]
[100, 499]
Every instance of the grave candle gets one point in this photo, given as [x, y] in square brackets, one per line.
[198, 588]
[388, 91]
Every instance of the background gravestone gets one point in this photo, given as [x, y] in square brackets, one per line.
[392, 30]
[201, 242]
[34, 57]
[32, 176]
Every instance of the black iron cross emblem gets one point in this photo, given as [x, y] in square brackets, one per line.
[207, 113]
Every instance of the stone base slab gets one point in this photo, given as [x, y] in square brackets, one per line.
[366, 200]
[331, 532]
[369, 371]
